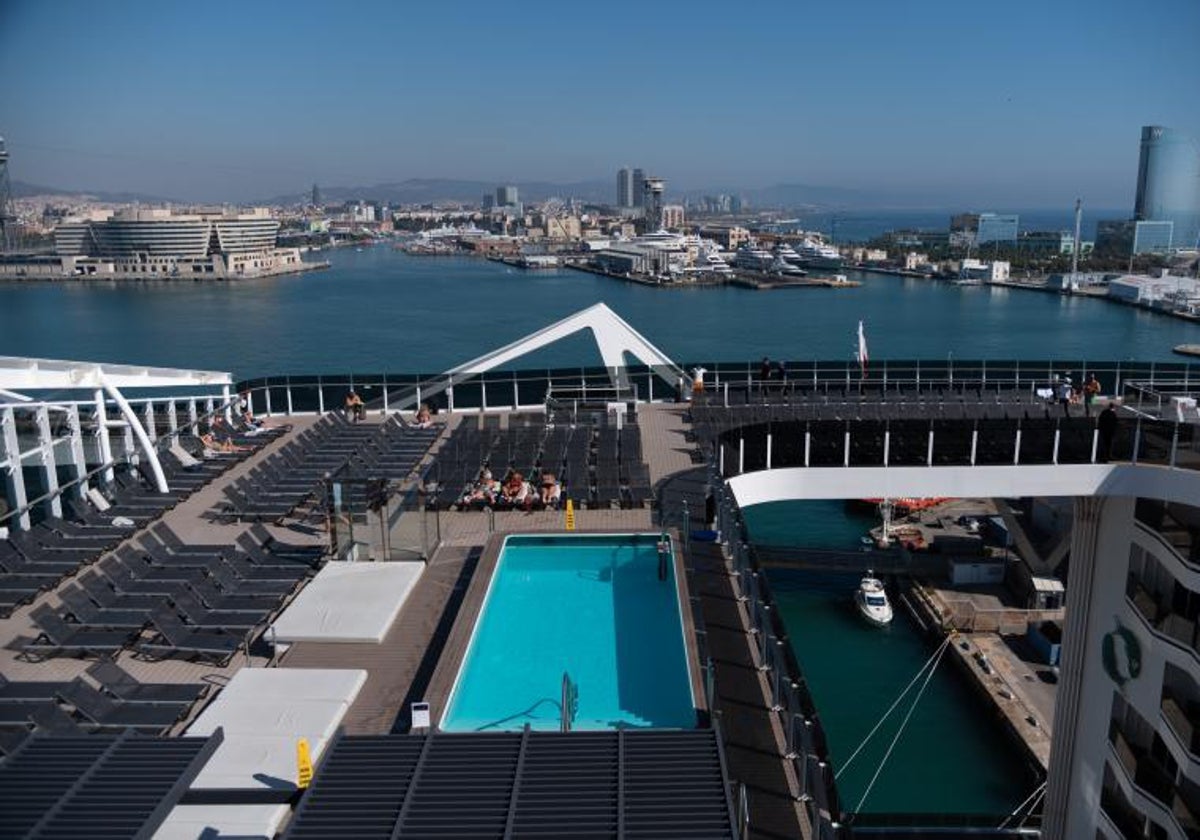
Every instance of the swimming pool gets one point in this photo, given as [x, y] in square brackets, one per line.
[590, 606]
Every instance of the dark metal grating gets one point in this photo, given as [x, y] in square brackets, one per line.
[626, 784]
[96, 786]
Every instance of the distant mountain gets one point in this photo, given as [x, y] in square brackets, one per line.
[21, 189]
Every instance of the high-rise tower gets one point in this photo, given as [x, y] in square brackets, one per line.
[652, 196]
[8, 214]
[1168, 185]
[639, 193]
[624, 187]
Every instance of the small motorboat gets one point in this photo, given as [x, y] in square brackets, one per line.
[872, 600]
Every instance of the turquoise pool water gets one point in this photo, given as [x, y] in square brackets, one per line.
[590, 606]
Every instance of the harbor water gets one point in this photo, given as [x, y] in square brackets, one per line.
[953, 756]
[377, 309]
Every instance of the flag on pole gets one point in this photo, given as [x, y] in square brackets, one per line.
[863, 358]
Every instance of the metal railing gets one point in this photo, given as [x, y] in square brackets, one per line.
[527, 389]
[955, 442]
[804, 740]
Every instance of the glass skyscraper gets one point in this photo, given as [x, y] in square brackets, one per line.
[1168, 185]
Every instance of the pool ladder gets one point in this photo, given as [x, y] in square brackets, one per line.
[570, 703]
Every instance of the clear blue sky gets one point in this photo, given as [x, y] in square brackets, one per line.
[1020, 103]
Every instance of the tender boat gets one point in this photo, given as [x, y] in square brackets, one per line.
[872, 600]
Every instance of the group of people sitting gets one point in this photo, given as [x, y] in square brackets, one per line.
[219, 439]
[514, 491]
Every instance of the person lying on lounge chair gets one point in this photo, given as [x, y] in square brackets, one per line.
[551, 490]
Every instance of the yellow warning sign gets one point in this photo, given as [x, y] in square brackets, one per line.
[570, 515]
[304, 768]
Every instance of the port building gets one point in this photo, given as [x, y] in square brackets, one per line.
[160, 243]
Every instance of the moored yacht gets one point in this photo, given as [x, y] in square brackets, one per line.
[813, 253]
[753, 258]
[872, 601]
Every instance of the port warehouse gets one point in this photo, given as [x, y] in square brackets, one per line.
[498, 391]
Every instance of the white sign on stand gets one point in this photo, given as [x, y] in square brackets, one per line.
[420, 715]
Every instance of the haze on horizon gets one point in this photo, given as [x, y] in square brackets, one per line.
[1022, 106]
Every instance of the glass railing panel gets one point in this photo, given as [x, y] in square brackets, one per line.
[278, 395]
[468, 395]
[1121, 448]
[1075, 440]
[1187, 450]
[827, 443]
[997, 442]
[307, 398]
[787, 445]
[908, 444]
[1037, 441]
[1156, 442]
[951, 443]
[866, 443]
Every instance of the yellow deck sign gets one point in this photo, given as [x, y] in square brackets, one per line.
[570, 515]
[304, 768]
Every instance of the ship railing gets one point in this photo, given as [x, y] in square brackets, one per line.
[72, 442]
[802, 739]
[934, 442]
[526, 390]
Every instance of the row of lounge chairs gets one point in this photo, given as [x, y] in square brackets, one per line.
[107, 699]
[277, 486]
[596, 467]
[712, 420]
[35, 561]
[197, 602]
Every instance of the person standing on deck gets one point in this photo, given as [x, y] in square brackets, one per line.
[1106, 429]
[1091, 389]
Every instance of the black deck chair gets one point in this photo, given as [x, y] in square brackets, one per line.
[98, 536]
[144, 568]
[217, 599]
[199, 615]
[28, 691]
[99, 590]
[12, 738]
[230, 581]
[53, 719]
[177, 639]
[124, 582]
[116, 681]
[15, 713]
[59, 638]
[248, 570]
[104, 713]
[79, 605]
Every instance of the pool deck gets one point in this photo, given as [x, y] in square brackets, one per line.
[424, 645]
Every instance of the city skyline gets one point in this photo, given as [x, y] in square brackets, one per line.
[888, 101]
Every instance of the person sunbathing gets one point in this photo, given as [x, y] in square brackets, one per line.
[424, 418]
[211, 444]
[551, 491]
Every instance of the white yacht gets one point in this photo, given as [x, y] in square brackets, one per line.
[872, 601]
[787, 261]
[813, 253]
[752, 258]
